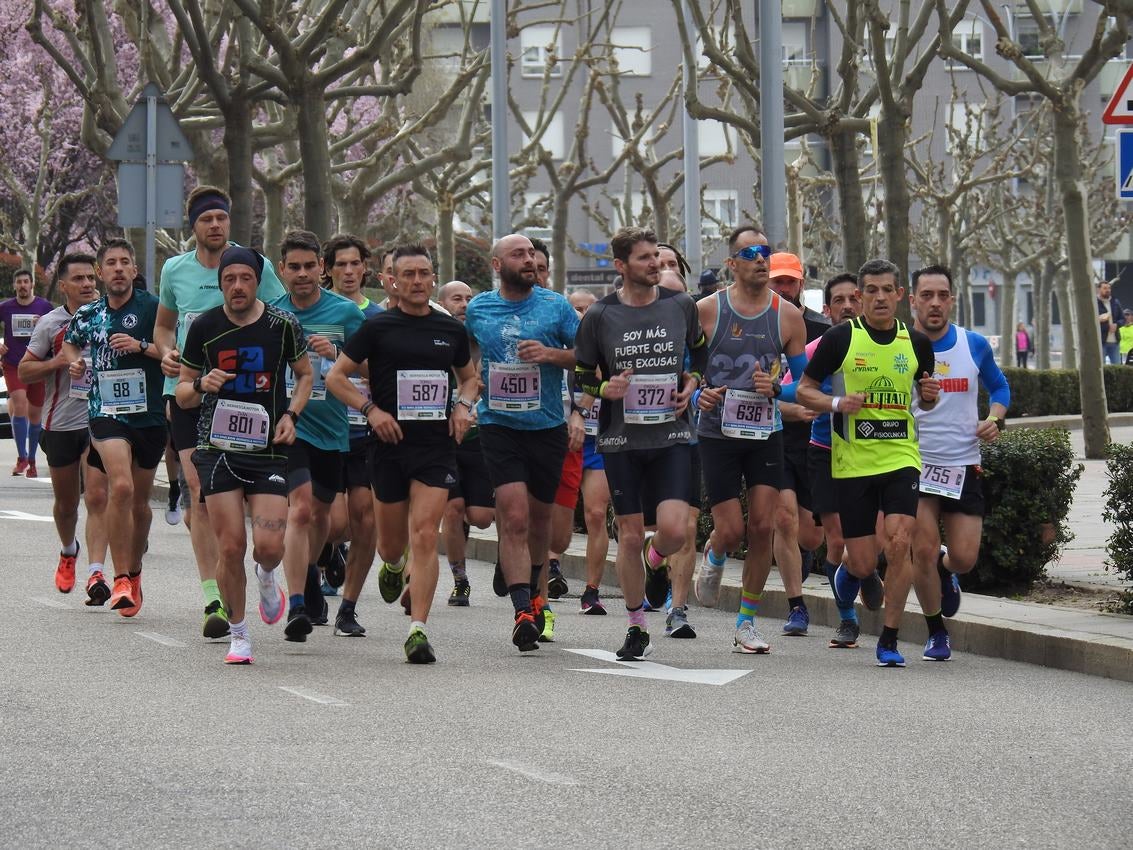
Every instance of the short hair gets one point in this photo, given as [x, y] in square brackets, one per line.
[299, 240]
[110, 244]
[1101, 282]
[682, 263]
[541, 246]
[341, 242]
[740, 231]
[414, 249]
[23, 273]
[621, 245]
[201, 191]
[74, 259]
[388, 252]
[933, 269]
[879, 266]
[844, 277]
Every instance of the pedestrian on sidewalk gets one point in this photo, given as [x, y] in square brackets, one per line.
[1023, 346]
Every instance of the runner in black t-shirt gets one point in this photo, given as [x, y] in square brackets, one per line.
[409, 351]
[232, 367]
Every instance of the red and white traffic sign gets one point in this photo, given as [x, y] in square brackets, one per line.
[1119, 110]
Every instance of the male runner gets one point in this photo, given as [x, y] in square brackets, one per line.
[950, 433]
[315, 457]
[749, 328]
[637, 336]
[232, 368]
[188, 288]
[410, 351]
[25, 401]
[471, 500]
[876, 363]
[65, 434]
[526, 339]
[127, 422]
[344, 263]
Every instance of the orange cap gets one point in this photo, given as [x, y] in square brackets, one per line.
[786, 265]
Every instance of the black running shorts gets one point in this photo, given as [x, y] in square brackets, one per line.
[394, 465]
[732, 466]
[64, 448]
[473, 483]
[320, 467]
[533, 457]
[222, 472]
[860, 499]
[640, 476]
[147, 444]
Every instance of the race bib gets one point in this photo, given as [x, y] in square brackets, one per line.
[355, 417]
[747, 415]
[946, 481]
[122, 391]
[589, 417]
[421, 394]
[80, 387]
[650, 399]
[23, 324]
[239, 426]
[513, 386]
[319, 368]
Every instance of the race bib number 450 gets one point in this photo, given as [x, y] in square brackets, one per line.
[946, 481]
[513, 386]
[650, 399]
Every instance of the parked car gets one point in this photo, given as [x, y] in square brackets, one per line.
[5, 419]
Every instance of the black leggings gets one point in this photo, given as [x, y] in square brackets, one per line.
[1021, 359]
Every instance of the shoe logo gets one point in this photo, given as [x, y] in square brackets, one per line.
[276, 479]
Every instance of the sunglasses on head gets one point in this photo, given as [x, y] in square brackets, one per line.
[752, 251]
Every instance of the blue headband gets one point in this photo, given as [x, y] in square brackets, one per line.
[234, 255]
[205, 203]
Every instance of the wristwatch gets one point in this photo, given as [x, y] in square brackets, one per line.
[143, 346]
[294, 416]
[465, 402]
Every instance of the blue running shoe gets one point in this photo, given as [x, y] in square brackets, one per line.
[938, 647]
[949, 588]
[889, 657]
[798, 621]
[846, 586]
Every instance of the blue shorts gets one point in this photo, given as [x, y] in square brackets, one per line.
[591, 459]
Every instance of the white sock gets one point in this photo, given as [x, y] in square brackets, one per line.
[71, 549]
[264, 576]
[239, 630]
[94, 568]
[415, 625]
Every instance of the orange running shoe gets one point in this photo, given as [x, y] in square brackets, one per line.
[65, 572]
[97, 590]
[136, 588]
[122, 597]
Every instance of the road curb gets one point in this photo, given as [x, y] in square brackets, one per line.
[1072, 423]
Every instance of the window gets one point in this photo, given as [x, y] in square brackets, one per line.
[979, 310]
[538, 44]
[1027, 35]
[632, 49]
[719, 211]
[715, 138]
[553, 139]
[968, 36]
[794, 43]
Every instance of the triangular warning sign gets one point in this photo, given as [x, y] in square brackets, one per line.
[1119, 110]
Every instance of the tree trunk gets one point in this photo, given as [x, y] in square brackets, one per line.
[1066, 313]
[1007, 320]
[238, 146]
[558, 241]
[446, 239]
[314, 150]
[851, 204]
[273, 216]
[1042, 279]
[1091, 380]
[891, 141]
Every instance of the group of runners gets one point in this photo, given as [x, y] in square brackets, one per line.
[292, 405]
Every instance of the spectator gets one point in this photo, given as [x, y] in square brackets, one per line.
[1125, 335]
[1023, 346]
[709, 283]
[1110, 320]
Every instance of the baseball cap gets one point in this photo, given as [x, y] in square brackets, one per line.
[708, 278]
[786, 265]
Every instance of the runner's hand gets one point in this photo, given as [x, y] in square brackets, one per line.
[215, 380]
[682, 396]
[322, 346]
[531, 351]
[384, 425]
[851, 403]
[171, 363]
[930, 388]
[124, 343]
[710, 397]
[284, 432]
[762, 382]
[618, 386]
[576, 431]
[459, 423]
[988, 430]
[77, 368]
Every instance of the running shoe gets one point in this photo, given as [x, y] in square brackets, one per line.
[136, 585]
[556, 583]
[677, 625]
[216, 621]
[273, 601]
[889, 657]
[97, 590]
[548, 633]
[460, 593]
[417, 648]
[173, 515]
[949, 587]
[240, 652]
[122, 596]
[323, 617]
[873, 591]
[65, 571]
[708, 581]
[590, 603]
[524, 634]
[656, 578]
[846, 635]
[538, 611]
[334, 572]
[499, 583]
[32, 472]
[636, 645]
[298, 625]
[407, 603]
[346, 625]
[798, 621]
[21, 466]
[327, 589]
[749, 641]
[391, 581]
[938, 647]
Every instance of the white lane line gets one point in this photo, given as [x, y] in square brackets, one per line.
[49, 602]
[314, 696]
[25, 516]
[162, 639]
[532, 773]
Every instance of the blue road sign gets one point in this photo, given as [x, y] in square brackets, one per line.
[1125, 165]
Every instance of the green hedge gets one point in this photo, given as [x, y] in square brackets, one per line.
[1054, 392]
[1119, 511]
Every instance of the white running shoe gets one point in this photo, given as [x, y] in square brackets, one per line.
[240, 652]
[273, 602]
[173, 517]
[708, 581]
[749, 641]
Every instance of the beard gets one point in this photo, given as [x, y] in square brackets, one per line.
[517, 279]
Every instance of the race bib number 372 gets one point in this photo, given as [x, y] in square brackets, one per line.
[649, 399]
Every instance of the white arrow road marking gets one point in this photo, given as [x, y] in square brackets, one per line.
[22, 515]
[532, 773]
[650, 670]
[162, 639]
[314, 696]
[49, 602]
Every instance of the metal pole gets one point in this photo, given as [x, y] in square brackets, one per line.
[694, 245]
[501, 196]
[773, 177]
[151, 190]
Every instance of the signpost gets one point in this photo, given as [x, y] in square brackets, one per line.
[150, 150]
[1124, 159]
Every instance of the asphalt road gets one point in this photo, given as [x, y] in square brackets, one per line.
[133, 733]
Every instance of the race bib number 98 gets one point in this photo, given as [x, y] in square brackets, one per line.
[122, 391]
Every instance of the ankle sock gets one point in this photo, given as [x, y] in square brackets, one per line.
[636, 616]
[239, 630]
[459, 571]
[716, 560]
[888, 638]
[296, 600]
[520, 597]
[935, 623]
[346, 606]
[794, 602]
[71, 549]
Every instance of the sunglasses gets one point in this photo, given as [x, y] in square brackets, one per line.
[752, 251]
